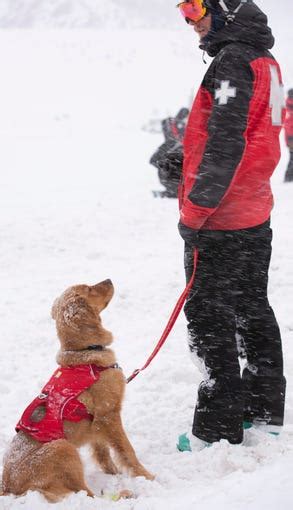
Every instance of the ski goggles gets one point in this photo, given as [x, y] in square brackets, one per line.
[192, 10]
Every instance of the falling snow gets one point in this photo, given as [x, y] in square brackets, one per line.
[77, 207]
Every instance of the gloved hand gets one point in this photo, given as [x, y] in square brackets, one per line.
[189, 235]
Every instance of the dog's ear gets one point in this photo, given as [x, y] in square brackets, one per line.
[76, 313]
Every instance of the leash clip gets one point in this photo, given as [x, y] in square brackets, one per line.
[133, 375]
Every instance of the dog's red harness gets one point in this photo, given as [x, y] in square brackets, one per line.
[59, 399]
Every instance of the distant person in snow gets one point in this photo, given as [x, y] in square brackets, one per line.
[288, 126]
[231, 149]
[168, 158]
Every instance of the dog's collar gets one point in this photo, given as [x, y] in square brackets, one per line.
[95, 347]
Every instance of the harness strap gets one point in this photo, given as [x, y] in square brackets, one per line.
[170, 322]
[230, 15]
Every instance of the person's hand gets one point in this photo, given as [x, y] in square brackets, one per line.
[188, 234]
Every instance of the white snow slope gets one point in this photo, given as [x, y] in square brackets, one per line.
[87, 13]
[76, 207]
[101, 14]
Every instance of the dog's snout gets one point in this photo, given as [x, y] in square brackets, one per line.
[106, 282]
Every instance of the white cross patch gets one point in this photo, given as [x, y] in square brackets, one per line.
[225, 92]
[277, 98]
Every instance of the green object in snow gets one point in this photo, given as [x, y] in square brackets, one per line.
[247, 425]
[183, 443]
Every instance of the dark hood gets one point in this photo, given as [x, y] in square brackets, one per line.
[249, 27]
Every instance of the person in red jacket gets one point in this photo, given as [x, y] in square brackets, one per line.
[231, 149]
[288, 126]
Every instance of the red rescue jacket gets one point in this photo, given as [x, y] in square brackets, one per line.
[231, 143]
[59, 398]
[288, 124]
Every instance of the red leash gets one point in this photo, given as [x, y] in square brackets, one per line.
[171, 321]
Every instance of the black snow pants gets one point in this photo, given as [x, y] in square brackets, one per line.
[228, 299]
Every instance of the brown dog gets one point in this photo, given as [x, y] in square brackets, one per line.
[53, 467]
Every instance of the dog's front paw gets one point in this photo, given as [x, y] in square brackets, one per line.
[149, 476]
[126, 494]
[143, 472]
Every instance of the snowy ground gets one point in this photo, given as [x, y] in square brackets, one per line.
[76, 206]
